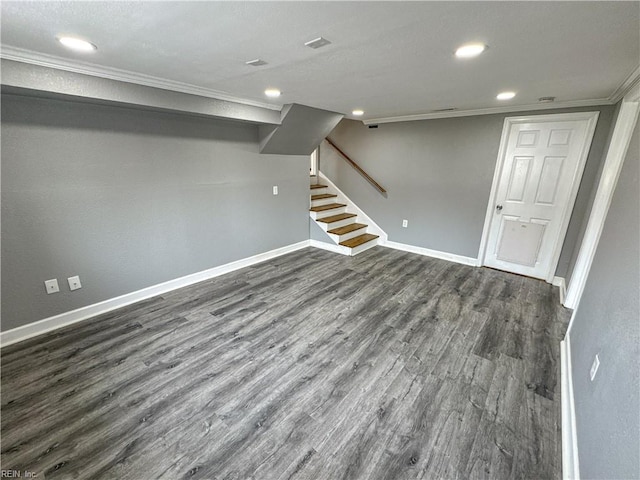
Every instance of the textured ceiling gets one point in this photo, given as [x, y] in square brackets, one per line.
[388, 58]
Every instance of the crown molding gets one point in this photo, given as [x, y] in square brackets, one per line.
[631, 81]
[633, 95]
[59, 63]
[625, 87]
[490, 111]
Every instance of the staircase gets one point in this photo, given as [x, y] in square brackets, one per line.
[341, 227]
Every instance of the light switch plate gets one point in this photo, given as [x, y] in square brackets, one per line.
[74, 283]
[275, 189]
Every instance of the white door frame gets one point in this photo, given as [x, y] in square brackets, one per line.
[618, 146]
[591, 118]
[314, 161]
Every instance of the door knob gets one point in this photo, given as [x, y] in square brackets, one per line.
[498, 207]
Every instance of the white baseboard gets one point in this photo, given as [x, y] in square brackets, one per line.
[562, 286]
[329, 246]
[52, 323]
[570, 462]
[451, 257]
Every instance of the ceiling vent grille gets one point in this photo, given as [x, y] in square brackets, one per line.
[547, 99]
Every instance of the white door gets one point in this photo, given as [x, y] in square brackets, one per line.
[539, 168]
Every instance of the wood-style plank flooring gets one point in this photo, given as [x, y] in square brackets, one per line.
[387, 365]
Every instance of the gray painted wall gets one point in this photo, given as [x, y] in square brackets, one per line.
[128, 199]
[438, 175]
[584, 202]
[607, 323]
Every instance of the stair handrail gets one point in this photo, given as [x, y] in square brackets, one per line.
[357, 167]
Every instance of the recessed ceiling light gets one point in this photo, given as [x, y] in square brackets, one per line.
[470, 50]
[77, 44]
[317, 42]
[358, 112]
[506, 95]
[272, 92]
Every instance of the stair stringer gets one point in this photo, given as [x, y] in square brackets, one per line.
[332, 247]
[372, 227]
[330, 243]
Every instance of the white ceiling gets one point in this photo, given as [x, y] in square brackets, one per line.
[388, 58]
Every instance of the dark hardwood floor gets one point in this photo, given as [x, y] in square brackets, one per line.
[387, 365]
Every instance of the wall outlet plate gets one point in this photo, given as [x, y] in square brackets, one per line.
[275, 189]
[52, 286]
[74, 283]
[405, 223]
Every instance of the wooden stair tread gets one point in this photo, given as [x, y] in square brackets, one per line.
[317, 185]
[336, 218]
[330, 206]
[323, 196]
[347, 228]
[359, 240]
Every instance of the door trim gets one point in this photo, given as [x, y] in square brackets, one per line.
[618, 146]
[592, 119]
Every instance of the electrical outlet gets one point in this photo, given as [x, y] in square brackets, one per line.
[275, 189]
[52, 286]
[405, 223]
[594, 367]
[74, 283]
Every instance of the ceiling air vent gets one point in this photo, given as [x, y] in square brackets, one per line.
[547, 99]
[317, 43]
[256, 63]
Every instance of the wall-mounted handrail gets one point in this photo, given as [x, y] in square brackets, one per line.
[357, 167]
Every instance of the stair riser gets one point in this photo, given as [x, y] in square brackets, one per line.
[328, 213]
[338, 224]
[319, 191]
[324, 201]
[364, 246]
[347, 236]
